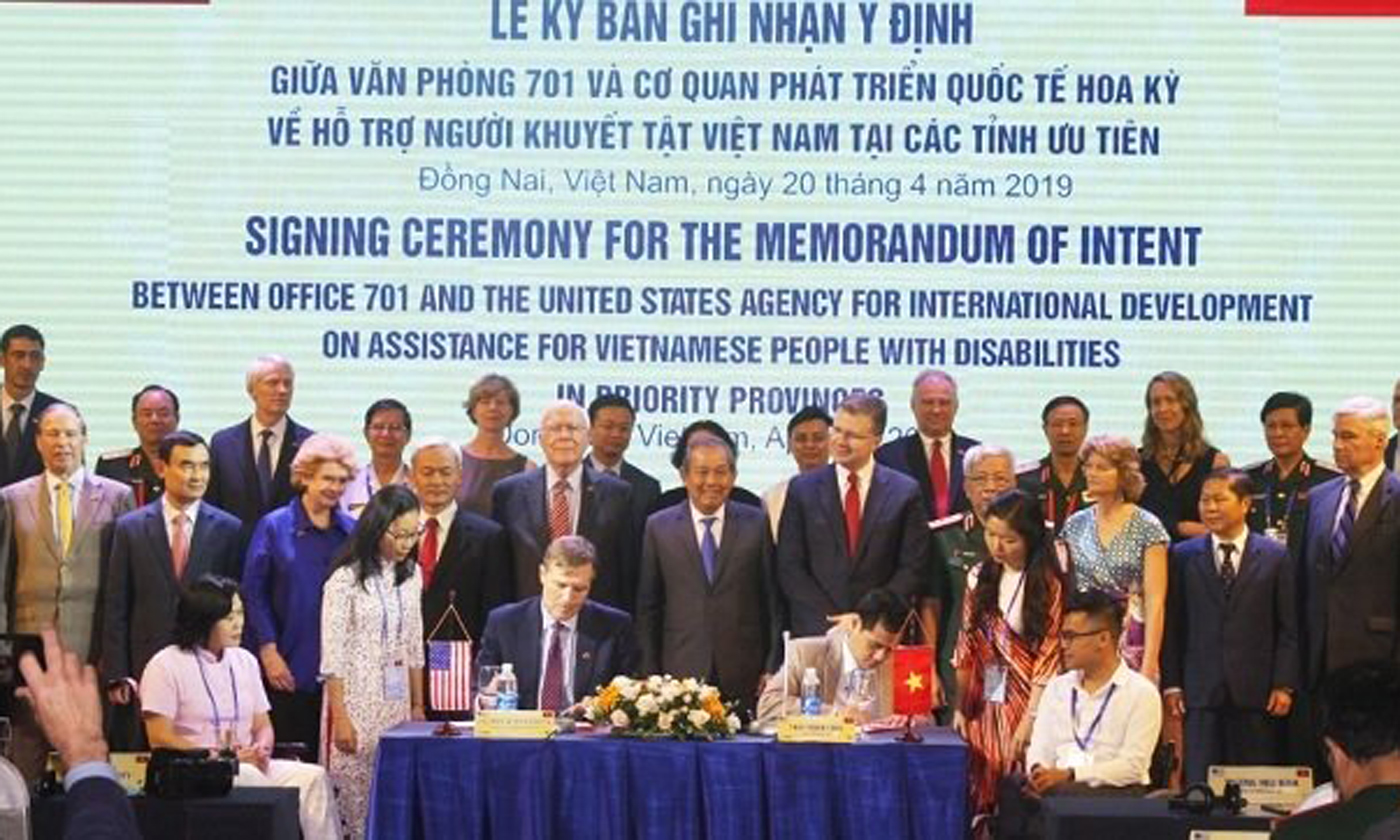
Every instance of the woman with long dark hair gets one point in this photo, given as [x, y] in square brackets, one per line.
[1008, 648]
[372, 644]
[1176, 456]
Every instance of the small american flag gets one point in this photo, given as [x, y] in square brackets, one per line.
[449, 676]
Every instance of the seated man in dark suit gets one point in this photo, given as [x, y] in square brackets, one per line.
[566, 496]
[21, 403]
[932, 454]
[850, 527]
[156, 550]
[251, 461]
[1361, 735]
[1230, 653]
[562, 645]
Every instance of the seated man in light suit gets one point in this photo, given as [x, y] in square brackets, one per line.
[837, 655]
[562, 645]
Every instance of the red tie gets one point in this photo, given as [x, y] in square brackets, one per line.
[552, 687]
[428, 550]
[852, 514]
[938, 477]
[559, 511]
[180, 545]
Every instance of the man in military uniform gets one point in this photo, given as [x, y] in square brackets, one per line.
[958, 546]
[1281, 483]
[1057, 480]
[155, 413]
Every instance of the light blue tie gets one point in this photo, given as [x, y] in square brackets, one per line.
[708, 549]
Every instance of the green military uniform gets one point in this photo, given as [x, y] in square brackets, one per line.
[1343, 820]
[1280, 507]
[958, 546]
[1039, 479]
[132, 468]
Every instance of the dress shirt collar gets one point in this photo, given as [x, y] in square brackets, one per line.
[279, 430]
[1368, 483]
[1119, 677]
[74, 482]
[1237, 541]
[574, 478]
[947, 443]
[696, 516]
[171, 510]
[6, 401]
[548, 621]
[615, 470]
[444, 517]
[864, 474]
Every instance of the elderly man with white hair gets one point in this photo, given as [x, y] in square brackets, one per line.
[250, 462]
[567, 497]
[1352, 548]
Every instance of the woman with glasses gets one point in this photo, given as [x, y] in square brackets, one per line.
[372, 653]
[1008, 648]
[1119, 548]
[492, 404]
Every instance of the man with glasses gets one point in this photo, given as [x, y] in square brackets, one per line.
[388, 428]
[155, 413]
[567, 497]
[850, 527]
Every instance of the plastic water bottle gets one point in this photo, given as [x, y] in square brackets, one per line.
[508, 691]
[811, 692]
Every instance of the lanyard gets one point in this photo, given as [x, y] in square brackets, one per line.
[213, 705]
[1269, 497]
[1005, 631]
[1088, 738]
[1052, 499]
[384, 614]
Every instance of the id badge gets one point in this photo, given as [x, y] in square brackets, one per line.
[994, 684]
[396, 682]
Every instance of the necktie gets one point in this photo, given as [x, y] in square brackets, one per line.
[180, 545]
[264, 465]
[1227, 567]
[428, 550]
[552, 687]
[708, 549]
[559, 511]
[65, 516]
[13, 431]
[1341, 536]
[852, 514]
[938, 478]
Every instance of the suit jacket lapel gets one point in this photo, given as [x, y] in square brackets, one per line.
[830, 499]
[92, 502]
[44, 515]
[160, 543]
[1249, 563]
[1365, 519]
[875, 501]
[917, 459]
[724, 558]
[538, 507]
[1204, 562]
[530, 654]
[585, 654]
[682, 530]
[247, 465]
[585, 502]
[196, 561]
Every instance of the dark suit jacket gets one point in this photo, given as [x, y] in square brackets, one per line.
[142, 593]
[1352, 602]
[472, 573]
[816, 575]
[690, 627]
[645, 491]
[604, 518]
[27, 462]
[1390, 450]
[907, 455]
[604, 649]
[233, 477]
[99, 809]
[1232, 651]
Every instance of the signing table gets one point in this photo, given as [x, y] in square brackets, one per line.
[596, 786]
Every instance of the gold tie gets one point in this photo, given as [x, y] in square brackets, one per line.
[65, 516]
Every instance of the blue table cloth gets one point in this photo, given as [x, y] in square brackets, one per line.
[581, 787]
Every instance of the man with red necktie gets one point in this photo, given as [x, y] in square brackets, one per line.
[932, 454]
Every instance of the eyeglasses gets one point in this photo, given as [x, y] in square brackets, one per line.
[1070, 635]
[405, 536]
[847, 434]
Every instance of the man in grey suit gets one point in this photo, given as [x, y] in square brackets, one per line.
[60, 526]
[566, 497]
[1352, 548]
[156, 550]
[704, 597]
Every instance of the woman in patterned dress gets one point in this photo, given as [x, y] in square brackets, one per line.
[1008, 648]
[1119, 548]
[1176, 457]
[372, 637]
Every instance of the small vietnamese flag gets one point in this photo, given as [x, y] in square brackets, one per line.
[913, 680]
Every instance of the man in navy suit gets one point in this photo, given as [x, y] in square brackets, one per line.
[611, 419]
[850, 527]
[705, 601]
[156, 550]
[21, 403]
[933, 454]
[564, 497]
[561, 644]
[1351, 549]
[251, 461]
[1230, 653]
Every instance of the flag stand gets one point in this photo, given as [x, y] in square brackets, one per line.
[445, 728]
[910, 736]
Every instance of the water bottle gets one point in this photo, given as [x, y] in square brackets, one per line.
[508, 691]
[811, 692]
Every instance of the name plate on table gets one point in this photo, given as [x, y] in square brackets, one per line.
[130, 767]
[515, 724]
[816, 729]
[1282, 787]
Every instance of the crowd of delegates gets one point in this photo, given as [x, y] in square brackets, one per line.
[1071, 600]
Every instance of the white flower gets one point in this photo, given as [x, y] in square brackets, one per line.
[733, 721]
[654, 683]
[619, 719]
[669, 692]
[664, 721]
[707, 692]
[646, 704]
[631, 690]
[698, 718]
[690, 684]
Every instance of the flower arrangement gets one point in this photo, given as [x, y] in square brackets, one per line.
[663, 707]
